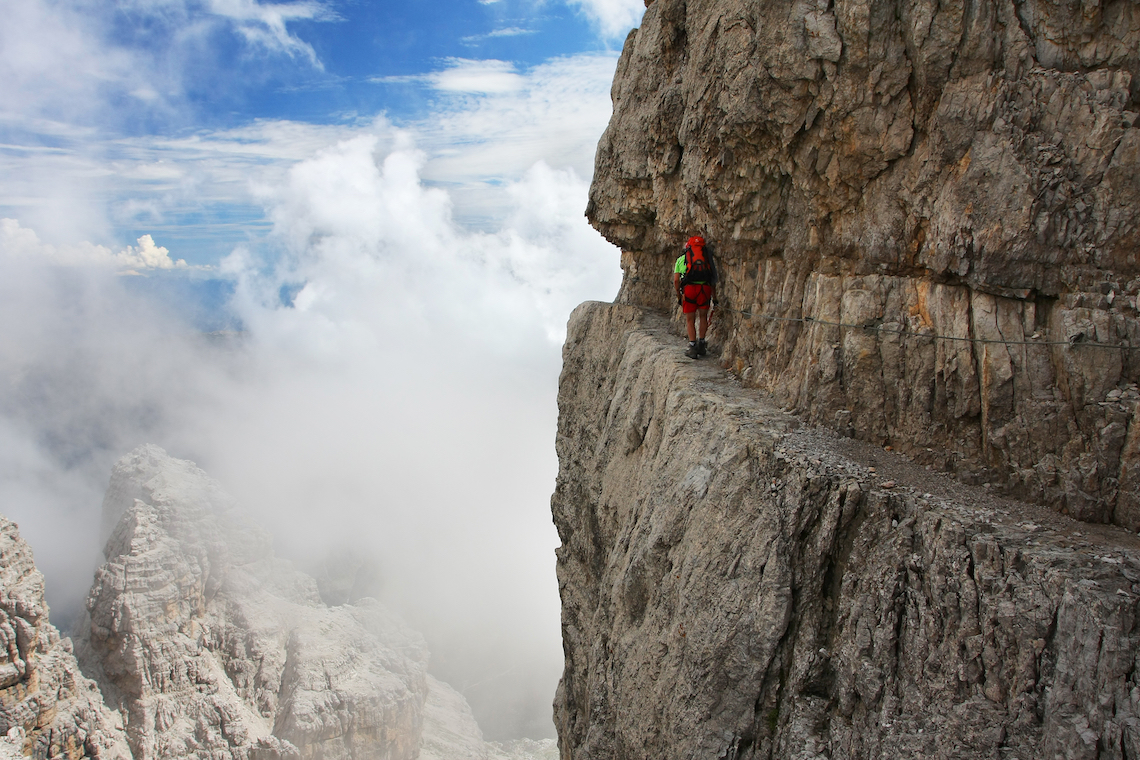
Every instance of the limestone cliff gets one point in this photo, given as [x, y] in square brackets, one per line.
[926, 215]
[738, 585]
[207, 645]
[47, 708]
[211, 646]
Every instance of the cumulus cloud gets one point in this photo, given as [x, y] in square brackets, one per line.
[18, 241]
[399, 398]
[493, 121]
[403, 292]
[418, 361]
[614, 18]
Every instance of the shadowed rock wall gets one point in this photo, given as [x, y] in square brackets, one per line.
[737, 586]
[957, 181]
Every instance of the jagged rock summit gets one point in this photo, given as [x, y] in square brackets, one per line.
[211, 646]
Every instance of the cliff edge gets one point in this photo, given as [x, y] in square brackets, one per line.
[738, 585]
[926, 216]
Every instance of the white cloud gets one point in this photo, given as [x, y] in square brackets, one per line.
[614, 18]
[419, 365]
[493, 123]
[266, 24]
[18, 241]
[510, 31]
[404, 401]
[479, 142]
[481, 77]
[61, 63]
[55, 64]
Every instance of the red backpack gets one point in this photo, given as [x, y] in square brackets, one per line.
[698, 268]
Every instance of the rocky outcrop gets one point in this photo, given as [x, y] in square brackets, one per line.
[206, 645]
[47, 708]
[738, 585]
[926, 215]
[212, 646]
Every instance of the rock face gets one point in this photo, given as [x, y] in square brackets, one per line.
[47, 707]
[926, 216]
[736, 585]
[213, 647]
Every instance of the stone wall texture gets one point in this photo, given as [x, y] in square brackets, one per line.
[957, 183]
[736, 585]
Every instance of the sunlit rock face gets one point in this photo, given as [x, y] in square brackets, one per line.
[957, 182]
[736, 584]
[213, 647]
[47, 707]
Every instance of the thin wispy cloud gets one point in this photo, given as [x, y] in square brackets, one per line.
[62, 63]
[510, 31]
[266, 24]
[478, 77]
[479, 143]
[56, 66]
[493, 123]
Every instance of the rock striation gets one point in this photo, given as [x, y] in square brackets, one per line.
[738, 585]
[926, 215]
[211, 646]
[48, 709]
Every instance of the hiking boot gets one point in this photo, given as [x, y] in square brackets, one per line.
[702, 347]
[693, 352]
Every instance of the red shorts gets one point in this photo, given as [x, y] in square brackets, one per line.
[696, 297]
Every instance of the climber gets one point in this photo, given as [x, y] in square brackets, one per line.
[694, 280]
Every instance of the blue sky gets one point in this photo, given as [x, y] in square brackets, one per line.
[388, 199]
[108, 106]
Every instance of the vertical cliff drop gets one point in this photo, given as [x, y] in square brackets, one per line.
[737, 585]
[927, 220]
